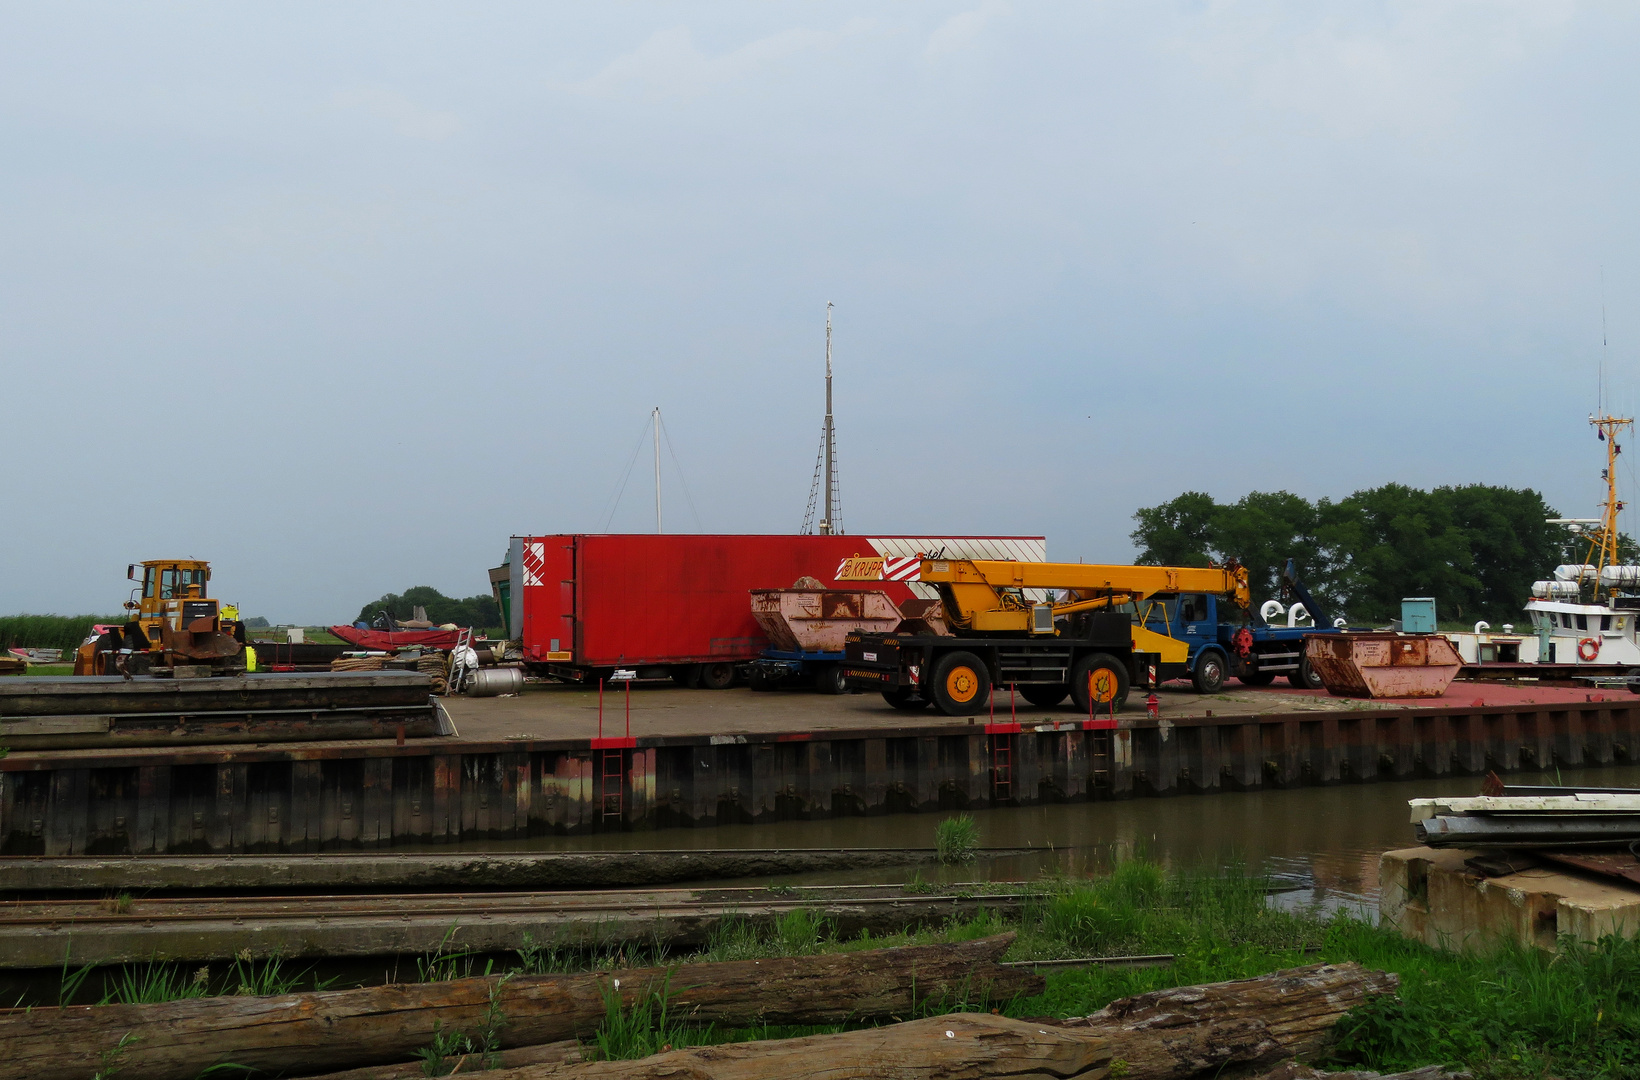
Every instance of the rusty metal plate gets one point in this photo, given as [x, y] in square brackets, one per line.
[1606, 863]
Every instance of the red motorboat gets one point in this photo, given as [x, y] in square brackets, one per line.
[388, 640]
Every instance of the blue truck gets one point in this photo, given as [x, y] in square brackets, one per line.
[1224, 643]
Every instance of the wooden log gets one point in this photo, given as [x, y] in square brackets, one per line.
[961, 1046]
[1249, 1023]
[565, 1052]
[297, 1034]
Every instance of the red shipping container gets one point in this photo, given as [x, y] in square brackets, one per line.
[589, 600]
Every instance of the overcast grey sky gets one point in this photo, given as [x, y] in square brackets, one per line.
[340, 296]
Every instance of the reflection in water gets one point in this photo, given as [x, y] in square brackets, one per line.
[1322, 843]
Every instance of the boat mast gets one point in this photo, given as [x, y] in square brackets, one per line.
[827, 438]
[1604, 542]
[655, 420]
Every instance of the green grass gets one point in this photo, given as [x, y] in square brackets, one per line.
[956, 838]
[49, 631]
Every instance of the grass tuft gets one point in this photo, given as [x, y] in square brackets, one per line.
[956, 839]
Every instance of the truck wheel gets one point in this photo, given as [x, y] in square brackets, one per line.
[961, 684]
[717, 676]
[905, 699]
[1098, 680]
[828, 679]
[1044, 696]
[1208, 678]
[1255, 677]
[1305, 677]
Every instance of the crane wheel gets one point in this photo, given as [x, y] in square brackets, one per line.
[961, 684]
[1208, 678]
[1305, 678]
[829, 679]
[1099, 681]
[1045, 697]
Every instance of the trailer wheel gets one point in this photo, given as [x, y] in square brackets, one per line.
[687, 676]
[717, 676]
[1305, 677]
[1208, 678]
[961, 684]
[905, 699]
[1099, 680]
[1045, 696]
[760, 680]
[828, 679]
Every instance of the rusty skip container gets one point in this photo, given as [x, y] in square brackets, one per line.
[817, 619]
[1383, 665]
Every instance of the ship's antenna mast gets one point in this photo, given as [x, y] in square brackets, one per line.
[655, 420]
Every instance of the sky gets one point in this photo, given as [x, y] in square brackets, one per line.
[341, 296]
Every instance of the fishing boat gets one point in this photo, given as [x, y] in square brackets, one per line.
[1587, 614]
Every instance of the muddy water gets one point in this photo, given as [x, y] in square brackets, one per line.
[1321, 843]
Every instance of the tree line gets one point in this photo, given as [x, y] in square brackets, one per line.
[1475, 548]
[480, 612]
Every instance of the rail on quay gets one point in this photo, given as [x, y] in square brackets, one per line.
[281, 798]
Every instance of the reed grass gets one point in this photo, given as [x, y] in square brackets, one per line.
[49, 631]
[956, 839]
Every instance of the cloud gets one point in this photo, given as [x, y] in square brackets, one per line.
[960, 31]
[406, 117]
[668, 64]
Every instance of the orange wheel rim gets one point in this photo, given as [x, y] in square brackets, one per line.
[1102, 685]
[962, 684]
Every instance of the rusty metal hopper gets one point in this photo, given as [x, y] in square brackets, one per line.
[817, 620]
[1383, 665]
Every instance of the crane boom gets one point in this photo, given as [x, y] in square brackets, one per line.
[981, 594]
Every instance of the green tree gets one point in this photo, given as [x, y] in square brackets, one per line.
[1176, 533]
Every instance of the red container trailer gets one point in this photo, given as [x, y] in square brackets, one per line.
[679, 605]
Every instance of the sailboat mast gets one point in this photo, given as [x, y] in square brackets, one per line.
[825, 519]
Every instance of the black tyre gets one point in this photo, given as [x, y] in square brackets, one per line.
[717, 676]
[1045, 696]
[761, 681]
[1305, 677]
[1099, 680]
[1257, 678]
[961, 684]
[828, 679]
[688, 676]
[905, 699]
[1208, 678]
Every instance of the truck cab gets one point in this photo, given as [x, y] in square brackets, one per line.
[1212, 630]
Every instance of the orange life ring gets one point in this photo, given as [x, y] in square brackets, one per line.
[1588, 649]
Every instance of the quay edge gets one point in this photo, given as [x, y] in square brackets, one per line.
[289, 798]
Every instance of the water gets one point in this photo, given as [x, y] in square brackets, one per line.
[1321, 844]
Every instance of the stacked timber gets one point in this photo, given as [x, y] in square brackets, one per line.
[1224, 1029]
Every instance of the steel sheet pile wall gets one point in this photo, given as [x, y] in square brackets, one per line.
[313, 798]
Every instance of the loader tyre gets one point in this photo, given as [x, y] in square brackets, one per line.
[1208, 678]
[1045, 697]
[717, 676]
[1099, 680]
[961, 684]
[1305, 678]
[905, 699]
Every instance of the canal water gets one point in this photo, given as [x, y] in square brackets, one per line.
[1319, 845]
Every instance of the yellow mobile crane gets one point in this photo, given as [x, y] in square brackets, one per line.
[1080, 638]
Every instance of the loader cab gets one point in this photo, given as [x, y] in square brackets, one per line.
[172, 592]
